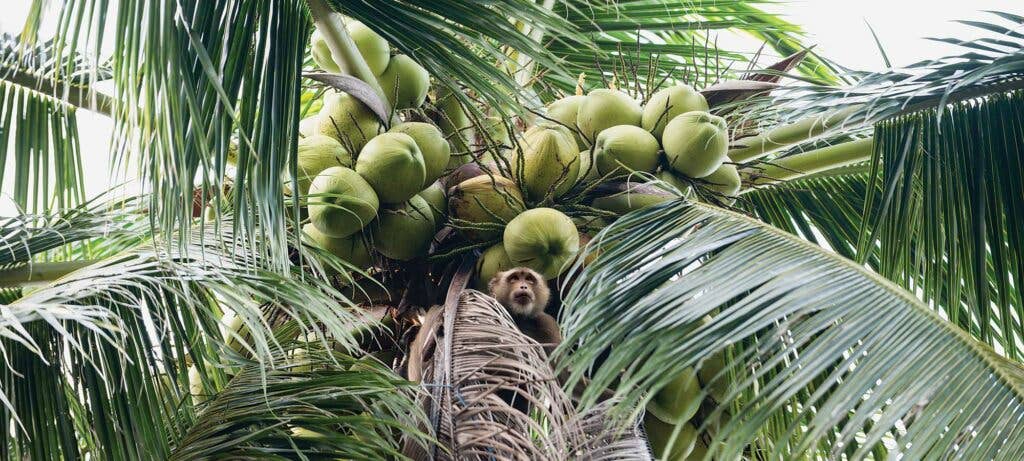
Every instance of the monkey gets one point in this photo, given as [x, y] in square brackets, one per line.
[525, 294]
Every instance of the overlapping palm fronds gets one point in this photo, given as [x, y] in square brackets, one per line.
[493, 395]
[822, 358]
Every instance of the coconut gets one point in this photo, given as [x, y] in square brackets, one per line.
[436, 151]
[492, 261]
[341, 202]
[549, 159]
[462, 173]
[604, 108]
[404, 231]
[351, 249]
[375, 50]
[564, 112]
[455, 125]
[393, 164]
[588, 171]
[589, 224]
[436, 200]
[542, 239]
[633, 197]
[483, 200]
[321, 53]
[695, 143]
[315, 154]
[309, 126]
[405, 83]
[348, 120]
[679, 400]
[725, 181]
[716, 384]
[674, 180]
[625, 149]
[667, 103]
[660, 435]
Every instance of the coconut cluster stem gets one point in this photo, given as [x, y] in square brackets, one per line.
[756, 147]
[343, 48]
[37, 273]
[811, 162]
[81, 96]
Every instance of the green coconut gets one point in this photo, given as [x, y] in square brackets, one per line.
[490, 201]
[351, 249]
[393, 164]
[309, 126]
[542, 239]
[674, 180]
[635, 196]
[405, 83]
[695, 143]
[436, 151]
[667, 103]
[436, 200]
[493, 260]
[679, 400]
[315, 154]
[322, 53]
[375, 50]
[348, 120]
[404, 231]
[604, 108]
[725, 181]
[549, 159]
[564, 111]
[341, 202]
[455, 124]
[588, 171]
[717, 386]
[625, 149]
[660, 434]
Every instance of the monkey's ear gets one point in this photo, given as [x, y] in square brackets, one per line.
[494, 281]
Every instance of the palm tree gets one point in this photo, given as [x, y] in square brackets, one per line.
[861, 298]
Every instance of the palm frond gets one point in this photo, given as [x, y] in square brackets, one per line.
[322, 405]
[102, 356]
[819, 357]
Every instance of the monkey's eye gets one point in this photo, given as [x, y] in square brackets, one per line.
[530, 279]
[514, 278]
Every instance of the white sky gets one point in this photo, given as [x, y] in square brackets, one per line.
[838, 27]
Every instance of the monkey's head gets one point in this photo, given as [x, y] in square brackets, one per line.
[521, 290]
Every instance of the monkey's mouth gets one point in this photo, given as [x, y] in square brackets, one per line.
[523, 297]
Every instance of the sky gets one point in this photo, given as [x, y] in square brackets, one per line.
[839, 28]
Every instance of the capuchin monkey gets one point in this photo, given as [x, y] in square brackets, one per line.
[525, 294]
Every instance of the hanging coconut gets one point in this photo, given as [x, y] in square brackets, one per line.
[404, 231]
[456, 126]
[436, 200]
[462, 173]
[315, 154]
[351, 249]
[542, 239]
[492, 261]
[549, 161]
[632, 196]
[625, 149]
[695, 143]
[667, 103]
[725, 181]
[375, 50]
[348, 120]
[714, 377]
[604, 108]
[341, 202]
[309, 126]
[564, 112]
[322, 53]
[674, 180]
[491, 201]
[436, 151]
[588, 170]
[679, 400]
[393, 164]
[661, 434]
[405, 83]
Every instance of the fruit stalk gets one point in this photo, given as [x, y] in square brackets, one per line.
[343, 48]
[811, 162]
[756, 147]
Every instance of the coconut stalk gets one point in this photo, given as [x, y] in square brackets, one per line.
[808, 163]
[343, 48]
[39, 273]
[755, 147]
[80, 96]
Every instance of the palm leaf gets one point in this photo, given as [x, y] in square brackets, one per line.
[821, 358]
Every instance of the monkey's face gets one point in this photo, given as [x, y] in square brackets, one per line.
[522, 294]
